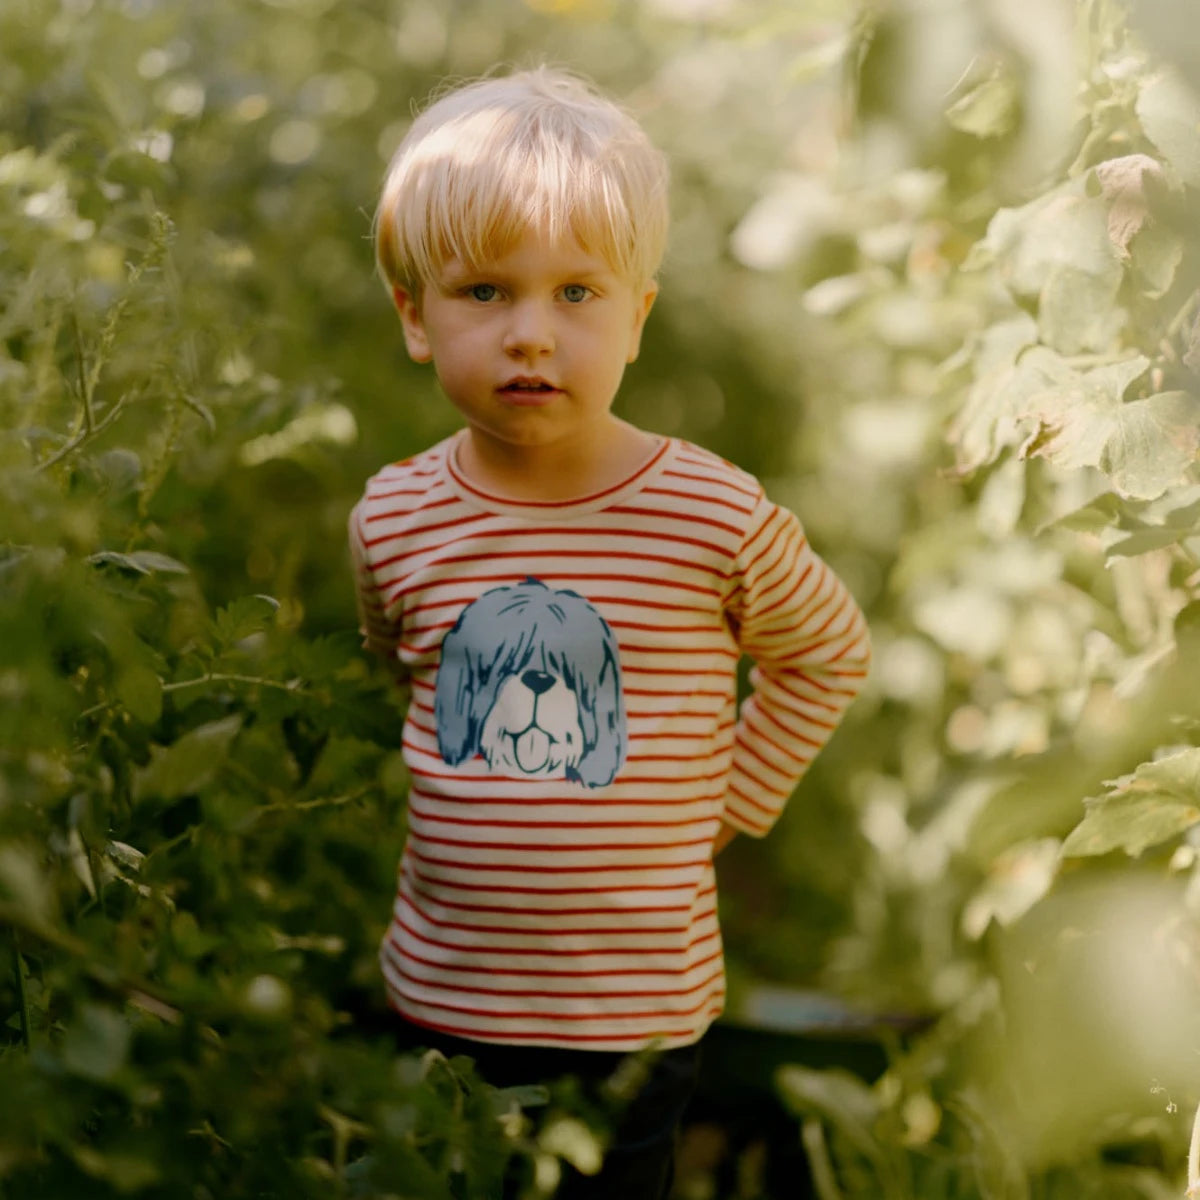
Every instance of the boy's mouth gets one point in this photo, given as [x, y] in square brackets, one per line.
[528, 388]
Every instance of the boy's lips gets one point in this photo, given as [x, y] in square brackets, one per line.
[529, 389]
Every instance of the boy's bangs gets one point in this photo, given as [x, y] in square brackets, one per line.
[493, 161]
[481, 208]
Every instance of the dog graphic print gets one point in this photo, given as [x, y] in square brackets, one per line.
[530, 680]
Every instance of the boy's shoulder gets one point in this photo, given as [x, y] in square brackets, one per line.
[699, 465]
[411, 476]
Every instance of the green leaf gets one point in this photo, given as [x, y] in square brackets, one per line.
[1177, 523]
[23, 884]
[1157, 254]
[1144, 541]
[1077, 310]
[141, 562]
[1143, 446]
[569, 1138]
[1160, 800]
[1016, 881]
[839, 1098]
[989, 109]
[1170, 114]
[1093, 517]
[188, 764]
[140, 690]
[126, 1172]
[247, 615]
[97, 1043]
[1001, 398]
[1063, 228]
[121, 470]
[1152, 444]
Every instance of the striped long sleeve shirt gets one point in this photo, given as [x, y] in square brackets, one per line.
[574, 738]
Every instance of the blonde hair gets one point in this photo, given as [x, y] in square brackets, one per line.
[496, 157]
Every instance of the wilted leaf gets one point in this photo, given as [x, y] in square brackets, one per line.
[1124, 183]
[1158, 801]
[1144, 446]
[188, 764]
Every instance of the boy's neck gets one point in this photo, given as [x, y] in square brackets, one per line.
[557, 472]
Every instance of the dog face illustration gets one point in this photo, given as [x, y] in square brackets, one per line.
[530, 679]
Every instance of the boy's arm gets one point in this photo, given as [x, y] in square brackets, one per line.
[725, 835]
[795, 618]
[380, 631]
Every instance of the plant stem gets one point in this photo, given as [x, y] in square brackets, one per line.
[22, 995]
[823, 1178]
[290, 685]
[1193, 1190]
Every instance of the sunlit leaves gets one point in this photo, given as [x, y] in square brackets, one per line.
[987, 108]
[1170, 114]
[1017, 879]
[1160, 800]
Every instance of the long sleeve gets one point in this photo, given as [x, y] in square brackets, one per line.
[810, 647]
[378, 623]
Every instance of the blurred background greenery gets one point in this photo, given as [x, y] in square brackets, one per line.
[933, 277]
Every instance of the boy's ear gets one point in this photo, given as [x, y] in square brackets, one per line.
[416, 340]
[645, 303]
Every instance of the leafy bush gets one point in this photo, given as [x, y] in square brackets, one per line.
[934, 278]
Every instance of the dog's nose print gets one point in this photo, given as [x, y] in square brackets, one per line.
[530, 681]
[537, 681]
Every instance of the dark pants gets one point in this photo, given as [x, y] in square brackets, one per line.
[639, 1163]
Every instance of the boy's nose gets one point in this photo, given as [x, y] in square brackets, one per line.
[530, 333]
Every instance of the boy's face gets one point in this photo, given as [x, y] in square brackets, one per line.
[530, 347]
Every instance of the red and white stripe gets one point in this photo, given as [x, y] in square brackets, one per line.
[544, 912]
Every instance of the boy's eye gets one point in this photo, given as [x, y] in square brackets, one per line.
[576, 293]
[483, 292]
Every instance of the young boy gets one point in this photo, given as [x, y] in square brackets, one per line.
[570, 597]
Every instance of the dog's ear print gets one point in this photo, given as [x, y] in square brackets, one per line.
[457, 726]
[604, 723]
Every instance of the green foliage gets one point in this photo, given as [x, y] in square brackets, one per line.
[201, 803]
[1027, 301]
[932, 283]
